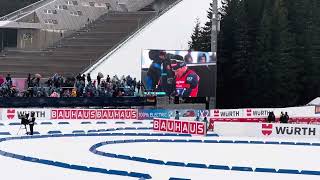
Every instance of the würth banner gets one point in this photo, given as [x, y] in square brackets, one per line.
[93, 114]
[274, 130]
[176, 126]
[12, 114]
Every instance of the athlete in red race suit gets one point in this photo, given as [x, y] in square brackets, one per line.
[187, 81]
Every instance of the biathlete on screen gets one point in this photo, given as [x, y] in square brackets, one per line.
[187, 80]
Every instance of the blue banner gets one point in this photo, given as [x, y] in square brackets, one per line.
[149, 114]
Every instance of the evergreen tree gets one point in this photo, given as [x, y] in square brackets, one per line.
[286, 67]
[205, 35]
[308, 48]
[268, 52]
[195, 43]
[265, 56]
[226, 47]
[201, 37]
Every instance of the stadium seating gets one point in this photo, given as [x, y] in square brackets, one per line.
[77, 51]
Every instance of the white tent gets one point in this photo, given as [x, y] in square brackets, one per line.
[315, 102]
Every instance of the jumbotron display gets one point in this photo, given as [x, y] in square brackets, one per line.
[179, 73]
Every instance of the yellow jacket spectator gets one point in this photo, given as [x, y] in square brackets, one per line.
[74, 93]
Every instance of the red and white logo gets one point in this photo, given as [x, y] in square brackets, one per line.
[216, 113]
[11, 113]
[267, 129]
[249, 112]
[211, 124]
[187, 127]
[59, 114]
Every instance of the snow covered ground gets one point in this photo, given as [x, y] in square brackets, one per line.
[212, 151]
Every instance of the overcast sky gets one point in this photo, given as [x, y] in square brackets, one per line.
[187, 12]
[202, 7]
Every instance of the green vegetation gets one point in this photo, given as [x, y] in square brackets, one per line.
[268, 52]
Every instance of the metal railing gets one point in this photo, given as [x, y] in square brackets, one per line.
[24, 11]
[114, 49]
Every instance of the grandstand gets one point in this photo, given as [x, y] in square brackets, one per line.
[66, 37]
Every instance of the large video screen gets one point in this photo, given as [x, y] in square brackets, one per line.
[179, 73]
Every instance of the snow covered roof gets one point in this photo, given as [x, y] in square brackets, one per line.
[314, 102]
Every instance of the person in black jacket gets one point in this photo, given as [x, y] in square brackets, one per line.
[24, 121]
[271, 118]
[88, 78]
[31, 122]
[286, 117]
[9, 80]
[98, 79]
[282, 118]
[154, 71]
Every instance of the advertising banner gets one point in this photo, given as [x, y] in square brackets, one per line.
[274, 130]
[213, 120]
[257, 113]
[13, 113]
[190, 114]
[149, 114]
[93, 114]
[179, 73]
[300, 120]
[177, 126]
[227, 113]
[293, 112]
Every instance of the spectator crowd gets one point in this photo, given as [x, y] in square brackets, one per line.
[79, 86]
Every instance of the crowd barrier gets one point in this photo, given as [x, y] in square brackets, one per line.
[12, 114]
[294, 120]
[303, 111]
[167, 114]
[93, 114]
[306, 114]
[42, 114]
[273, 130]
[298, 115]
